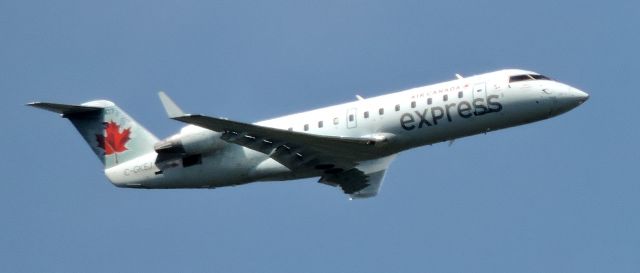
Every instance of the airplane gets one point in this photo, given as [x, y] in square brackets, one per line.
[349, 145]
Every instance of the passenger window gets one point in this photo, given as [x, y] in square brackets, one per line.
[429, 101]
[320, 124]
[306, 127]
[460, 94]
[350, 117]
[445, 97]
[335, 121]
[366, 114]
[413, 104]
[397, 107]
[381, 111]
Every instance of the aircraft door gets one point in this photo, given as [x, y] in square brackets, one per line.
[479, 95]
[479, 91]
[352, 118]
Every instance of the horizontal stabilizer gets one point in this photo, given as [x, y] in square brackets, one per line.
[64, 109]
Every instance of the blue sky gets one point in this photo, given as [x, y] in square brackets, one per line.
[560, 195]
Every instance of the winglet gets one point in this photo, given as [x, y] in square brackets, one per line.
[169, 106]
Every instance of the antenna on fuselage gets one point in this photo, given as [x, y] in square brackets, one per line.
[459, 76]
[359, 97]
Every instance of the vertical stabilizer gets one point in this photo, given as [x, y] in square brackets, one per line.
[112, 134]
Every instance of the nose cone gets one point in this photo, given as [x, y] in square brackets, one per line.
[573, 97]
[566, 99]
[578, 95]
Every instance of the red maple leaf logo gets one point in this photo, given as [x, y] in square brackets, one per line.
[114, 140]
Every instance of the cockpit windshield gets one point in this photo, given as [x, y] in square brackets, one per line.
[527, 77]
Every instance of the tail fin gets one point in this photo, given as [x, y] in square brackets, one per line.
[112, 134]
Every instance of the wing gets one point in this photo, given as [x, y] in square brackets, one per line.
[303, 146]
[340, 161]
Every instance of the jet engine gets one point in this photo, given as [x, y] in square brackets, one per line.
[187, 147]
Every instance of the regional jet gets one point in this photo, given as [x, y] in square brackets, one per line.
[349, 145]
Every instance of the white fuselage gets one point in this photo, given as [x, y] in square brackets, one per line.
[406, 119]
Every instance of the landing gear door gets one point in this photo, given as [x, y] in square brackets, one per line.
[352, 116]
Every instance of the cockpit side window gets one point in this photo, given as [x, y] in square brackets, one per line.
[540, 77]
[525, 77]
[519, 78]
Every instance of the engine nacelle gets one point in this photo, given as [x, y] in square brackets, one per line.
[191, 140]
